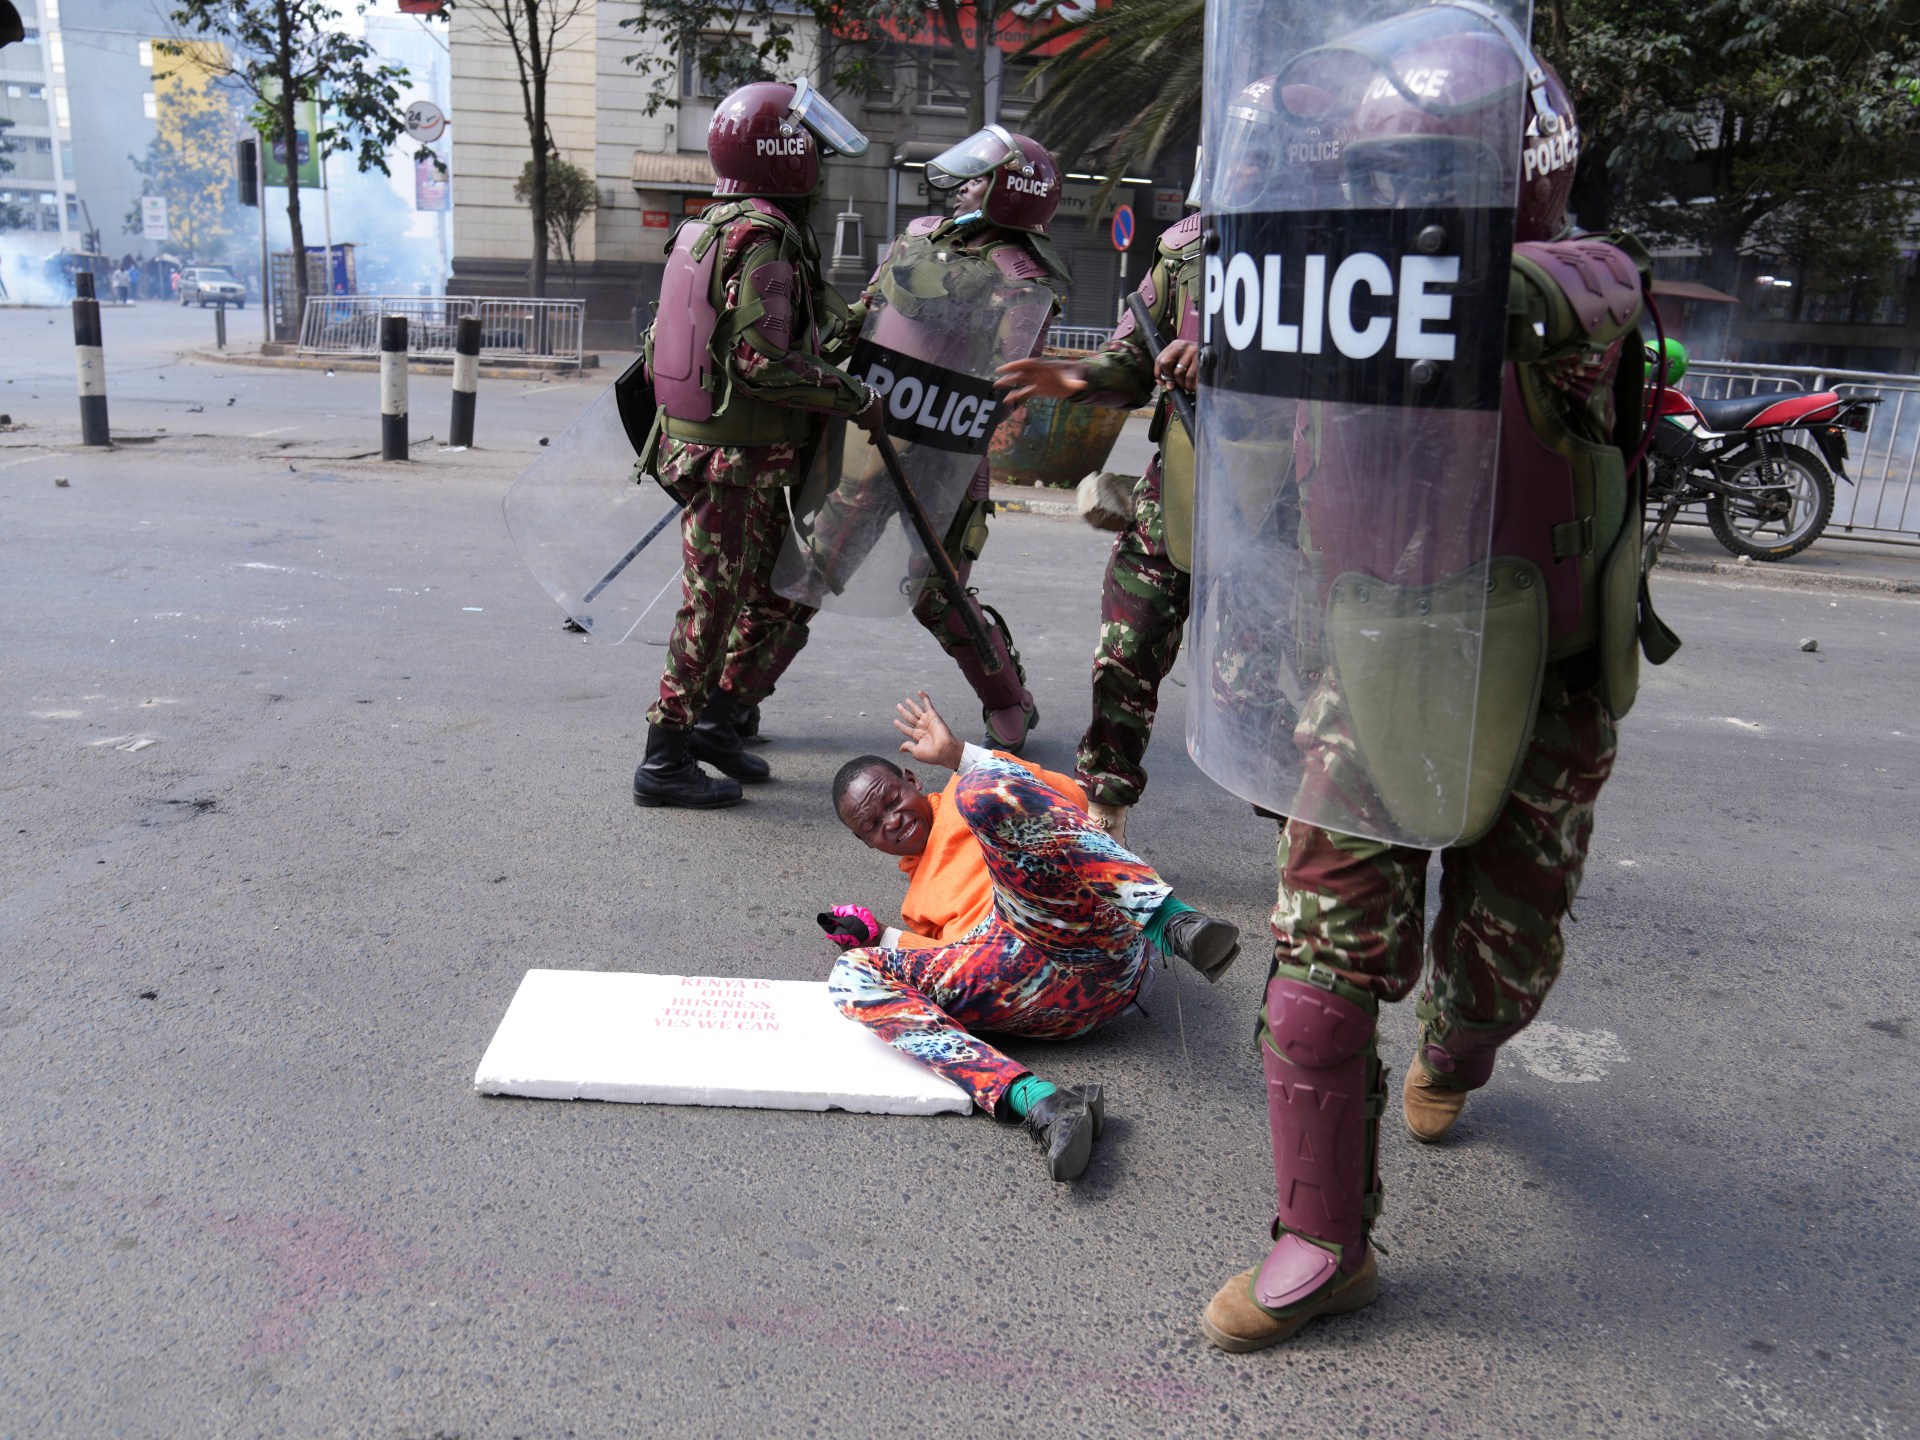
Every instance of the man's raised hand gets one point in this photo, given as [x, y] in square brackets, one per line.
[1049, 379]
[928, 738]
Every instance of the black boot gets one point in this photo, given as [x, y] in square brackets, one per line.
[1207, 944]
[668, 776]
[746, 724]
[1065, 1125]
[713, 740]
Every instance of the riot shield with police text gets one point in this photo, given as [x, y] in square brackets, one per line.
[1361, 655]
[941, 323]
[605, 548]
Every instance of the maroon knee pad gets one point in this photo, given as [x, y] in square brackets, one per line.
[1325, 1092]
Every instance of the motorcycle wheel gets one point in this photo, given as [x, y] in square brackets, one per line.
[1760, 527]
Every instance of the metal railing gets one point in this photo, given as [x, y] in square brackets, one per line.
[545, 331]
[1883, 503]
[1077, 337]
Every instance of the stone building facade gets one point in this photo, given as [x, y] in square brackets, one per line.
[652, 170]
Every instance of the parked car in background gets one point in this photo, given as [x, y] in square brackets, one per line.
[210, 285]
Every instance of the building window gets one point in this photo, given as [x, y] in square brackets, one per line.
[942, 87]
[57, 51]
[29, 36]
[66, 158]
[694, 85]
[148, 108]
[36, 92]
[146, 53]
[62, 116]
[14, 92]
[42, 145]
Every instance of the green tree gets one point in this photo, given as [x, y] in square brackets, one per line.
[1782, 125]
[283, 52]
[1125, 87]
[571, 196]
[189, 163]
[536, 32]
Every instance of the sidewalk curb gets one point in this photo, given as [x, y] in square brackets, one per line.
[372, 367]
[1767, 574]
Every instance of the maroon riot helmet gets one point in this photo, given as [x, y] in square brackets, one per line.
[1280, 149]
[1023, 180]
[1433, 97]
[767, 138]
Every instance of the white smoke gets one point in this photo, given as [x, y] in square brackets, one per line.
[27, 275]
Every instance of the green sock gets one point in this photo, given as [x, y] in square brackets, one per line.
[1027, 1092]
[1156, 927]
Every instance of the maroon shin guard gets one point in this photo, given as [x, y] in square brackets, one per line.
[1325, 1091]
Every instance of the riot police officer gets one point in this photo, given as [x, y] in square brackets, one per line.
[735, 359]
[1416, 498]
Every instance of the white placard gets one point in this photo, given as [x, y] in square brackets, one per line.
[700, 1040]
[153, 218]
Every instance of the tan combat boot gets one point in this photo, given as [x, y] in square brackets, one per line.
[1110, 818]
[1236, 1324]
[1429, 1109]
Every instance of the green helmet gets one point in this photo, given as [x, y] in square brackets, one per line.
[1669, 355]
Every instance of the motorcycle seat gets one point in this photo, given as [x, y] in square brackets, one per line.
[1725, 415]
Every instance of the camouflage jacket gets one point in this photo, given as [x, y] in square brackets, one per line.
[1121, 374]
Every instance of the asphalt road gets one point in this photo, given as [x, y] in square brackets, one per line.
[249, 968]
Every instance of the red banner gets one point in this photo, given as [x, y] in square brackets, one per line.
[1012, 29]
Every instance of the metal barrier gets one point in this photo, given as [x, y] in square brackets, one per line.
[1077, 337]
[1883, 503]
[510, 329]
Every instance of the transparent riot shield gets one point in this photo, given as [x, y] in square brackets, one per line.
[605, 548]
[1362, 658]
[941, 323]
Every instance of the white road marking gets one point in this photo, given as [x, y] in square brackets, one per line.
[1567, 1057]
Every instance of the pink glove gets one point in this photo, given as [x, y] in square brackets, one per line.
[850, 926]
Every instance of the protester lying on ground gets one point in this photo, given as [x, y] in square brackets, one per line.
[1021, 916]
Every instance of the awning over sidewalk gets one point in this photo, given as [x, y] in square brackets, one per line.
[672, 172]
[1689, 290]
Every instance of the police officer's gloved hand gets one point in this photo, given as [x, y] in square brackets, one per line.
[872, 416]
[850, 926]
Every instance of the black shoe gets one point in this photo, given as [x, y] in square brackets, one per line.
[668, 776]
[713, 740]
[1064, 1125]
[1207, 944]
[746, 724]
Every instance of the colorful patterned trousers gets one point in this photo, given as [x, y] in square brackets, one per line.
[1143, 608]
[730, 536]
[1060, 954]
[1357, 906]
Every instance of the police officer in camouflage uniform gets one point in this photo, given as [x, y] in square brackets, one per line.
[1143, 600]
[1006, 188]
[1560, 585]
[735, 359]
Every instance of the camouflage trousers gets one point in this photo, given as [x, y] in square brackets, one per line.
[1357, 906]
[730, 536]
[772, 630]
[1143, 609]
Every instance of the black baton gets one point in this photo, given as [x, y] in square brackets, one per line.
[949, 577]
[633, 554]
[1149, 332]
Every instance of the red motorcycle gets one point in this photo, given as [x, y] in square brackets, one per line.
[1765, 497]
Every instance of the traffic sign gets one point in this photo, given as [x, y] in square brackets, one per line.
[424, 122]
[1122, 227]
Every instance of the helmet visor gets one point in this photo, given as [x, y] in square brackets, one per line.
[833, 130]
[1410, 172]
[981, 153]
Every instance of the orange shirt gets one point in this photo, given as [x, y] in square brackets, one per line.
[949, 890]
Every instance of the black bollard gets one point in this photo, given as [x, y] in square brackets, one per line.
[220, 326]
[466, 380]
[393, 387]
[90, 359]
